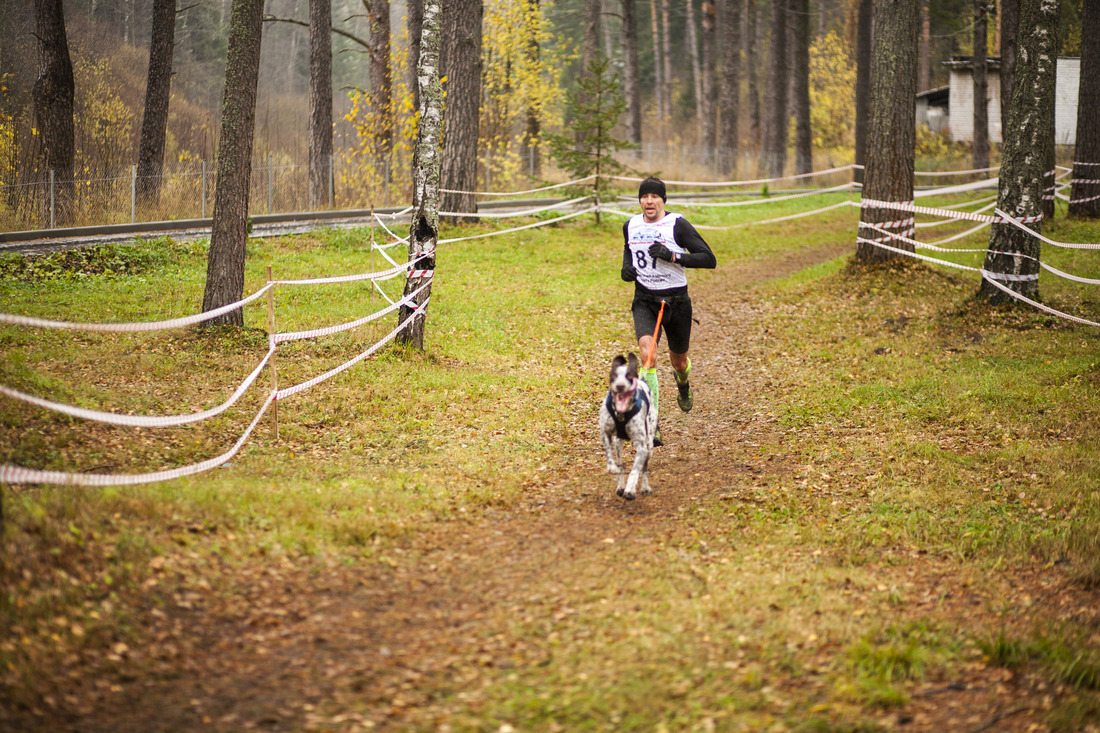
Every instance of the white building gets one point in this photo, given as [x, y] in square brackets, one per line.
[961, 100]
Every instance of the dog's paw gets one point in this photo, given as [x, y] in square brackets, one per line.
[646, 491]
[628, 495]
[613, 469]
[619, 491]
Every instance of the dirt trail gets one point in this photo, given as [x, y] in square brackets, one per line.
[381, 643]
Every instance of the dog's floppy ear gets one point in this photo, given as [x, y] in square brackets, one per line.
[632, 365]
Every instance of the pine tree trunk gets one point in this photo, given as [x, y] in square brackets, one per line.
[320, 102]
[1086, 156]
[657, 81]
[800, 88]
[666, 59]
[707, 102]
[631, 81]
[864, 32]
[924, 81]
[381, 79]
[774, 158]
[693, 53]
[462, 67]
[225, 262]
[53, 106]
[415, 23]
[731, 80]
[154, 122]
[424, 232]
[533, 131]
[980, 149]
[752, 72]
[1013, 255]
[891, 134]
[1010, 20]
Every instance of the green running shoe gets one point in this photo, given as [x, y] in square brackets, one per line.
[685, 399]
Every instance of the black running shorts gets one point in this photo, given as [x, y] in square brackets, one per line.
[675, 323]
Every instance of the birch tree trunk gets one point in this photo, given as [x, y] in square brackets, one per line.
[1086, 156]
[980, 149]
[427, 169]
[320, 102]
[891, 134]
[225, 261]
[154, 120]
[631, 82]
[1012, 260]
[731, 82]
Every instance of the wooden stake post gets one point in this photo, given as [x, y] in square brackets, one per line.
[271, 364]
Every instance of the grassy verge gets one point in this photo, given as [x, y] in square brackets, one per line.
[910, 421]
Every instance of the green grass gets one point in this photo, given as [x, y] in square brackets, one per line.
[906, 420]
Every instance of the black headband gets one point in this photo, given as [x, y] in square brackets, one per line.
[652, 185]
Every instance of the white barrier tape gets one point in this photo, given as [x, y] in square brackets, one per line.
[956, 173]
[1000, 217]
[397, 239]
[383, 292]
[133, 327]
[1084, 181]
[756, 202]
[916, 255]
[1019, 223]
[1084, 164]
[1045, 266]
[284, 393]
[743, 183]
[971, 203]
[518, 193]
[140, 421]
[282, 338]
[960, 235]
[507, 215]
[588, 210]
[766, 221]
[17, 475]
[380, 275]
[1012, 277]
[908, 223]
[960, 188]
[1036, 304]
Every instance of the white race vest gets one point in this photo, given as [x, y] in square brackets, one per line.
[654, 274]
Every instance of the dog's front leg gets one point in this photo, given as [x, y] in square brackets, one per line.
[637, 471]
[613, 448]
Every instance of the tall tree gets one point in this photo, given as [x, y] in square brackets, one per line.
[533, 130]
[980, 142]
[320, 102]
[381, 80]
[708, 63]
[731, 81]
[225, 261]
[1085, 198]
[415, 23]
[666, 59]
[774, 158]
[800, 87]
[891, 134]
[632, 86]
[427, 169]
[590, 42]
[158, 86]
[751, 71]
[1013, 256]
[865, 19]
[53, 94]
[657, 82]
[693, 52]
[1010, 21]
[461, 64]
[924, 81]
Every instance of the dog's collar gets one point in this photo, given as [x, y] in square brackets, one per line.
[635, 406]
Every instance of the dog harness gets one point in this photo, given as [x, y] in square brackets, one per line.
[621, 419]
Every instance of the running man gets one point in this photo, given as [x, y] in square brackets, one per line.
[658, 246]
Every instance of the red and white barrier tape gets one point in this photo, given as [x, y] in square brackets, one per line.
[587, 210]
[512, 214]
[18, 475]
[1020, 223]
[956, 173]
[1036, 304]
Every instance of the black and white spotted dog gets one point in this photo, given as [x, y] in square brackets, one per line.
[628, 413]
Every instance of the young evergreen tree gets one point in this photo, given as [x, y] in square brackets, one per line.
[595, 108]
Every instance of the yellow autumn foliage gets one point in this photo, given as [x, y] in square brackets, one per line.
[832, 93]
